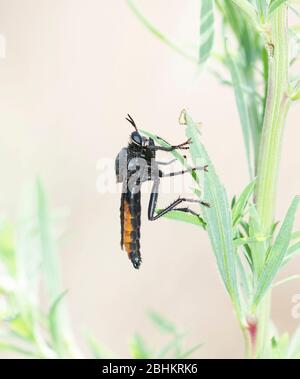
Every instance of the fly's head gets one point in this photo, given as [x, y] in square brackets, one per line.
[140, 144]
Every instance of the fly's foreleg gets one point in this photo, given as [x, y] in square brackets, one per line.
[182, 146]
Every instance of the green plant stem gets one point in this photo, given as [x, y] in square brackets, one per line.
[270, 146]
[274, 120]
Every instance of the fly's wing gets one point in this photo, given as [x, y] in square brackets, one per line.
[122, 218]
[121, 165]
[121, 175]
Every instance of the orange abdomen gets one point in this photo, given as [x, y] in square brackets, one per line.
[130, 226]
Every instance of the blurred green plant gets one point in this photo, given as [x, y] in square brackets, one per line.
[34, 319]
[172, 349]
[258, 51]
[28, 259]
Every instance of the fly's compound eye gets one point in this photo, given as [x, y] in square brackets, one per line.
[136, 138]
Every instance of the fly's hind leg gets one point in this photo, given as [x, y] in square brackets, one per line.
[153, 202]
[190, 211]
[187, 210]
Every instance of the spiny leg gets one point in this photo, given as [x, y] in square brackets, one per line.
[182, 146]
[153, 202]
[168, 143]
[186, 210]
[166, 163]
[193, 169]
[190, 211]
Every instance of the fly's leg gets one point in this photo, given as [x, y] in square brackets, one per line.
[166, 163]
[170, 174]
[182, 146]
[153, 202]
[170, 162]
[187, 210]
[190, 211]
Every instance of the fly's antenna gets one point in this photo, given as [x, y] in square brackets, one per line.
[130, 119]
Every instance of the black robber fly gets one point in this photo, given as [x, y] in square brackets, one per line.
[134, 165]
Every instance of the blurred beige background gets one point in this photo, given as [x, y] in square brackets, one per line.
[73, 69]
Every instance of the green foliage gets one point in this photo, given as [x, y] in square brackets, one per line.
[239, 231]
[28, 256]
[277, 253]
[218, 216]
[247, 67]
[249, 251]
[241, 100]
[206, 30]
[274, 4]
[173, 348]
[240, 205]
[248, 248]
[185, 217]
[158, 34]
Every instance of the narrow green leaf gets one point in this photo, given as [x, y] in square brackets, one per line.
[189, 352]
[231, 16]
[162, 323]
[21, 328]
[292, 251]
[50, 263]
[8, 346]
[138, 348]
[262, 7]
[185, 217]
[97, 349]
[277, 252]
[294, 10]
[54, 323]
[274, 4]
[218, 217]
[241, 101]
[249, 10]
[246, 241]
[286, 280]
[157, 33]
[52, 274]
[206, 30]
[233, 202]
[280, 346]
[171, 347]
[259, 245]
[245, 281]
[7, 246]
[295, 235]
[241, 202]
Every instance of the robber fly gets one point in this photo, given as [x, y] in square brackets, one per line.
[134, 165]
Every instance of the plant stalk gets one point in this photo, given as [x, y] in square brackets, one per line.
[274, 119]
[270, 145]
